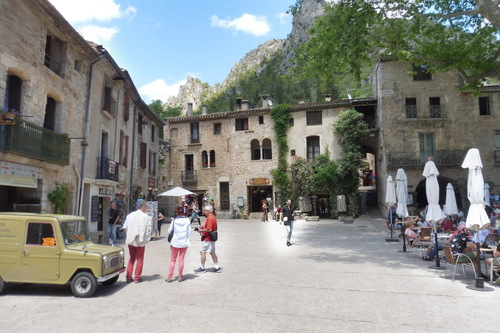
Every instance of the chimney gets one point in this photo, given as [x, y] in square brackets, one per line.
[238, 104]
[265, 103]
[245, 104]
[189, 111]
[328, 97]
[204, 109]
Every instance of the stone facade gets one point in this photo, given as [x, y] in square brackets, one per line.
[433, 117]
[68, 91]
[245, 152]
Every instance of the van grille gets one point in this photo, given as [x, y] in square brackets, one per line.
[114, 262]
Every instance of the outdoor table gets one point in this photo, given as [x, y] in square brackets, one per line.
[443, 236]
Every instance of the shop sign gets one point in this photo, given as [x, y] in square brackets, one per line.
[14, 169]
[106, 191]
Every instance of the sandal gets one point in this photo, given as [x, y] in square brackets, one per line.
[426, 258]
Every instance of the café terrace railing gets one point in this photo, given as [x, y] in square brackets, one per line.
[27, 139]
[440, 157]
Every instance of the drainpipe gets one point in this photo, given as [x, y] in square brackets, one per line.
[132, 151]
[86, 134]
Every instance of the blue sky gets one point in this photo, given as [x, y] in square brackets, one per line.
[161, 42]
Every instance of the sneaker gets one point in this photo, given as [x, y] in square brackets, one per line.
[169, 279]
[139, 280]
[130, 280]
[200, 270]
[181, 278]
[217, 270]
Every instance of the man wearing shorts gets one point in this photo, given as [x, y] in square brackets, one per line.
[207, 245]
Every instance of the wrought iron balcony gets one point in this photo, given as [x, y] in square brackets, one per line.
[25, 138]
[107, 169]
[189, 176]
[440, 157]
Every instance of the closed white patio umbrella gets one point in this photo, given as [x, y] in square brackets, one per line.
[401, 193]
[450, 207]
[390, 199]
[477, 218]
[434, 212]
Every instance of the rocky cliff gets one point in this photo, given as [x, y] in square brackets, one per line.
[195, 91]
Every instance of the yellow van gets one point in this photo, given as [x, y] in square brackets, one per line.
[55, 249]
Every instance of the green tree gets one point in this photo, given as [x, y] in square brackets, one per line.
[156, 106]
[60, 198]
[173, 111]
[445, 35]
[352, 129]
[302, 182]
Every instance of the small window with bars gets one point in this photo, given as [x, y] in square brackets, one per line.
[411, 107]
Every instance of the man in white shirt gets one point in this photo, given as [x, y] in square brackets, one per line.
[138, 227]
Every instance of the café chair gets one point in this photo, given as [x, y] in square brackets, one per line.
[457, 260]
[422, 245]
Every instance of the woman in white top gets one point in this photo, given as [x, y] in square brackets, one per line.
[179, 243]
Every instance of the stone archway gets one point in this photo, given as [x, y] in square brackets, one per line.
[421, 196]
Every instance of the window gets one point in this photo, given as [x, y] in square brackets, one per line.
[421, 73]
[195, 133]
[153, 133]
[40, 234]
[143, 155]
[261, 120]
[78, 65]
[484, 106]
[292, 152]
[104, 144]
[497, 148]
[314, 118]
[108, 103]
[224, 195]
[427, 146]
[204, 159]
[152, 163]
[411, 107]
[267, 151]
[217, 129]
[435, 107]
[53, 54]
[126, 106]
[49, 120]
[13, 92]
[212, 159]
[121, 152]
[312, 148]
[140, 122]
[241, 124]
[255, 149]
[291, 121]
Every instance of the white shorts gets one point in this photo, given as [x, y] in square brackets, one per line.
[208, 247]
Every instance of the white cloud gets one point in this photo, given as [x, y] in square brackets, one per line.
[159, 89]
[99, 35]
[247, 23]
[283, 17]
[85, 11]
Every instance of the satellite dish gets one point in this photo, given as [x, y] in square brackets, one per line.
[270, 103]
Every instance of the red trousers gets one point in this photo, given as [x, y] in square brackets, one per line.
[174, 253]
[137, 258]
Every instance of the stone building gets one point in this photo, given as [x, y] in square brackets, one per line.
[80, 120]
[428, 115]
[229, 156]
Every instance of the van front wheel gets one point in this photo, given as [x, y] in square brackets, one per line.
[84, 284]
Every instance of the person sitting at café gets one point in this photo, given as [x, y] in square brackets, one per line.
[462, 243]
[496, 262]
[446, 225]
[432, 250]
[412, 235]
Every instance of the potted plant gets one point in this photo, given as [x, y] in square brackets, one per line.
[9, 116]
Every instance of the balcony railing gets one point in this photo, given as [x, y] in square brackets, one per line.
[189, 176]
[440, 157]
[107, 169]
[25, 138]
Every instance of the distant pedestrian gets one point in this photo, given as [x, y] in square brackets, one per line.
[265, 209]
[115, 216]
[138, 227]
[181, 226]
[195, 214]
[207, 244]
[288, 220]
[160, 221]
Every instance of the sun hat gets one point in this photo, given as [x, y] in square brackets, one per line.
[461, 227]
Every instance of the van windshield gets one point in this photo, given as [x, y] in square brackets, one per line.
[75, 232]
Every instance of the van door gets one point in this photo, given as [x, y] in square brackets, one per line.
[41, 253]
